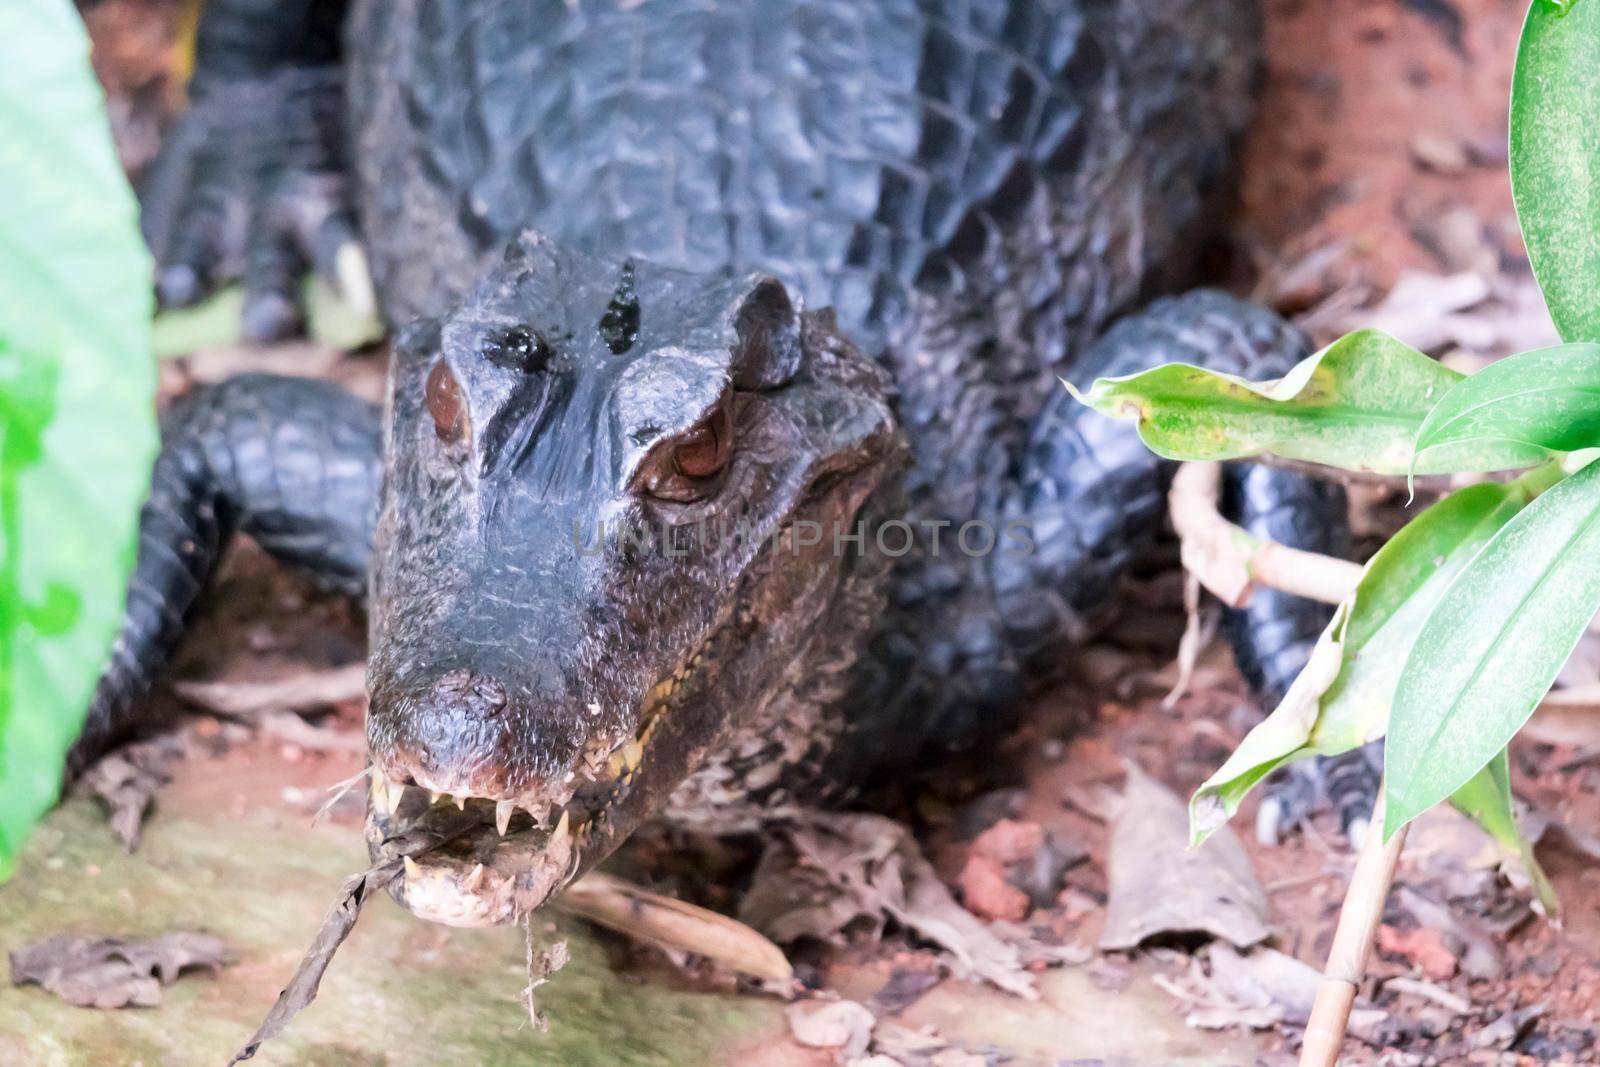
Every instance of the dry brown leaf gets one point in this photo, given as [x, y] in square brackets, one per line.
[841, 1024]
[128, 779]
[838, 870]
[903, 989]
[1158, 885]
[1263, 988]
[108, 972]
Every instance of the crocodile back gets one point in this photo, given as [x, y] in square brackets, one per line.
[895, 159]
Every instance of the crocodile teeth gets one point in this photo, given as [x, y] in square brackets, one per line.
[563, 829]
[474, 879]
[412, 870]
[461, 801]
[379, 790]
[626, 759]
[502, 815]
[433, 797]
[397, 793]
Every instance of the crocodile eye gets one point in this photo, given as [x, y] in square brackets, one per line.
[442, 397]
[703, 451]
[685, 468]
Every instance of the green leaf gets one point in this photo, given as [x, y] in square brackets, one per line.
[1342, 697]
[1493, 645]
[1555, 159]
[77, 383]
[1357, 404]
[1486, 800]
[1548, 400]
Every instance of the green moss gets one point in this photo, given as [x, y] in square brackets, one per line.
[400, 992]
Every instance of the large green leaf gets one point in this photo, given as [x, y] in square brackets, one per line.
[1486, 800]
[1342, 697]
[1548, 400]
[1493, 645]
[1555, 159]
[1357, 404]
[77, 427]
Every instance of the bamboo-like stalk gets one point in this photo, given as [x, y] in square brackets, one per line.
[1352, 943]
[1230, 561]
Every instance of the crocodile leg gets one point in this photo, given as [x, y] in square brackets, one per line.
[295, 463]
[1094, 495]
[249, 184]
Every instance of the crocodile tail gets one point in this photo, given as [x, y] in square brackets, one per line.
[1094, 495]
[292, 462]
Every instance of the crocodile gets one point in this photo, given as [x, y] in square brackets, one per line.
[724, 466]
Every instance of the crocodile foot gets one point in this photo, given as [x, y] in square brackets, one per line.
[250, 186]
[1346, 784]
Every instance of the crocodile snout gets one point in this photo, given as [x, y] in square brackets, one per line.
[462, 692]
[464, 733]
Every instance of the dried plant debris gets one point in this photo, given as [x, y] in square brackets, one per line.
[676, 926]
[421, 836]
[828, 872]
[302, 988]
[839, 1024]
[1469, 310]
[1159, 886]
[1013, 867]
[128, 779]
[904, 988]
[302, 691]
[859, 1039]
[542, 963]
[1261, 989]
[109, 972]
[925, 1048]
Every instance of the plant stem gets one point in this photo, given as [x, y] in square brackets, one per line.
[1352, 942]
[1231, 562]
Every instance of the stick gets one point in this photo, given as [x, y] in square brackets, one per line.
[1230, 561]
[672, 924]
[311, 689]
[1352, 943]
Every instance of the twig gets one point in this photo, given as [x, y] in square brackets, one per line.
[542, 963]
[1297, 880]
[340, 921]
[1231, 561]
[336, 793]
[673, 924]
[1200, 626]
[313, 689]
[1352, 943]
[302, 988]
[1428, 991]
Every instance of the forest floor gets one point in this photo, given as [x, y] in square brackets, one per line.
[1373, 192]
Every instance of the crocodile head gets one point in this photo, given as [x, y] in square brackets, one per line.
[605, 537]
